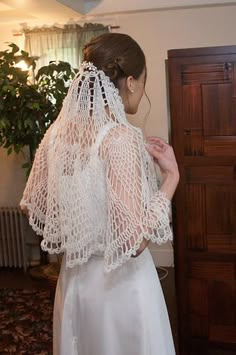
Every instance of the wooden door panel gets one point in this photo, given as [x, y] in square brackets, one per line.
[221, 244]
[221, 305]
[218, 119]
[198, 326]
[212, 174]
[210, 216]
[220, 146]
[192, 111]
[206, 72]
[195, 219]
[209, 129]
[212, 270]
[198, 297]
[192, 119]
[219, 215]
[214, 301]
[193, 142]
[223, 334]
[221, 210]
[203, 120]
[211, 300]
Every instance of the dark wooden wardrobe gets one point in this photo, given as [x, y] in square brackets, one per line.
[202, 90]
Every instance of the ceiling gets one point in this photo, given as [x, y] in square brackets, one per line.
[20, 11]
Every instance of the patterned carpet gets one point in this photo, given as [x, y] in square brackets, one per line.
[26, 321]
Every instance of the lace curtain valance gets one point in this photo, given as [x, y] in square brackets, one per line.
[61, 43]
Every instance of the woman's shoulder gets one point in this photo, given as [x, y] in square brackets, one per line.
[122, 140]
[124, 132]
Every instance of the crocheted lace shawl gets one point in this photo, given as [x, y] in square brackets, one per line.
[93, 188]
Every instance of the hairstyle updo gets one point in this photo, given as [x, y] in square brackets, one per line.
[117, 54]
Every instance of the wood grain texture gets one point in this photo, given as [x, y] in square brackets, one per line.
[202, 84]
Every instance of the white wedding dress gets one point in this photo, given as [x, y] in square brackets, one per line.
[118, 313]
[93, 194]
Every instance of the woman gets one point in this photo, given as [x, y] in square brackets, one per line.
[93, 194]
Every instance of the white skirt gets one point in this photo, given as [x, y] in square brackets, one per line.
[119, 313]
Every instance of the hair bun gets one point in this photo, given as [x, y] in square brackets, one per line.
[117, 54]
[112, 70]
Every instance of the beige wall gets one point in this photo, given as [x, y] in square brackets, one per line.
[156, 31]
[12, 176]
[7, 34]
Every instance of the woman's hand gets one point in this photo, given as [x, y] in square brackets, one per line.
[163, 155]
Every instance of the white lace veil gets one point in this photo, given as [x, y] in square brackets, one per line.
[92, 187]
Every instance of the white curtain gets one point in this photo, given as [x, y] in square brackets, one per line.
[64, 44]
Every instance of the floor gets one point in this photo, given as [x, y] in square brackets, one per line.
[16, 278]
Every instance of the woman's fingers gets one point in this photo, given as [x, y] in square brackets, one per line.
[155, 151]
[154, 147]
[157, 142]
[163, 154]
[156, 139]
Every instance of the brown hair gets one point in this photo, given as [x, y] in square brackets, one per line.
[117, 54]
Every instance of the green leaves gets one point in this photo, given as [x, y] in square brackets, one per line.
[14, 47]
[53, 80]
[26, 109]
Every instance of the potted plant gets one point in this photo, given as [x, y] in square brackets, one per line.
[27, 109]
[29, 104]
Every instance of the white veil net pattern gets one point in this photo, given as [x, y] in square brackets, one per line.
[93, 188]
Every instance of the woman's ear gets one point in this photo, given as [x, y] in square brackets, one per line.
[130, 84]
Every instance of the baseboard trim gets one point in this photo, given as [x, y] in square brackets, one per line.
[163, 257]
